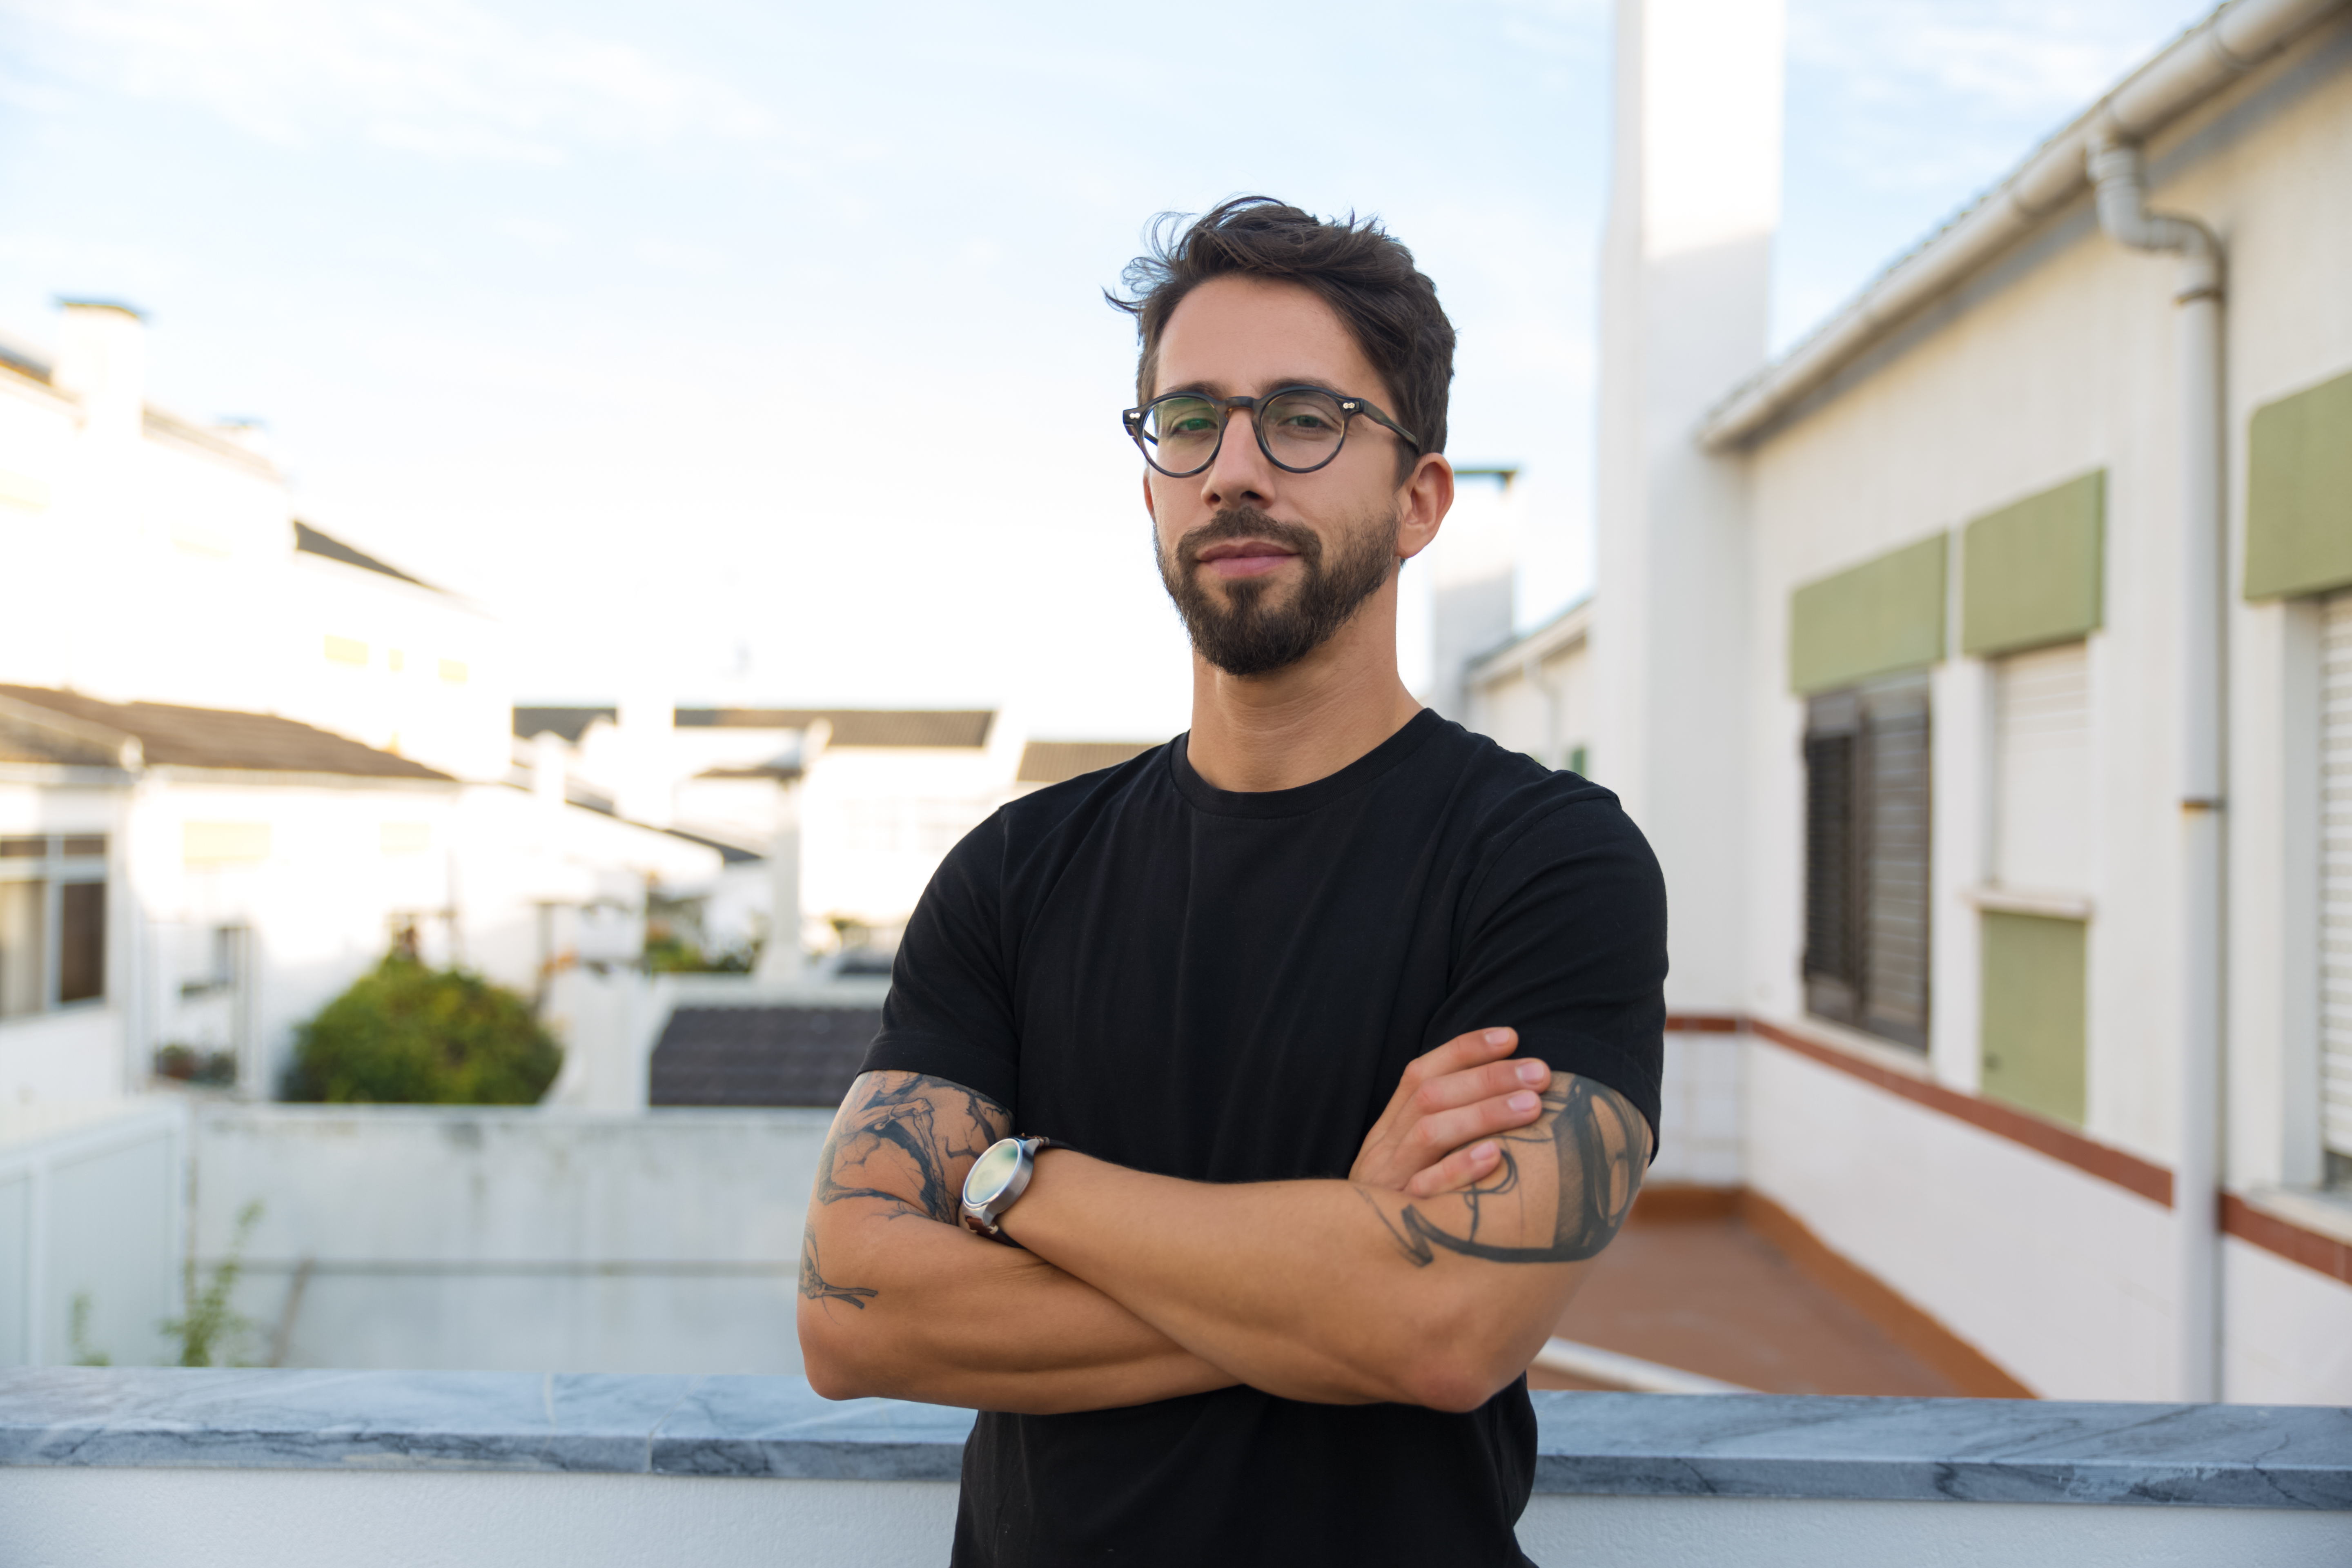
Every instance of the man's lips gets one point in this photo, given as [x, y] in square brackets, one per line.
[1230, 558]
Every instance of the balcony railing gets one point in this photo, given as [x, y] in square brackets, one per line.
[262, 1468]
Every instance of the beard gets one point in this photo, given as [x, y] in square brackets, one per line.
[1240, 634]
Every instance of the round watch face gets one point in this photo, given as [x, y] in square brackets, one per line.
[991, 1172]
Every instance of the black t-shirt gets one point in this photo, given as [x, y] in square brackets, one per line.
[1226, 987]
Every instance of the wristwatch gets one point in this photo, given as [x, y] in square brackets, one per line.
[998, 1179]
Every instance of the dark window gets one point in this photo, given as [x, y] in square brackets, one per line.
[22, 960]
[1866, 859]
[81, 941]
[52, 921]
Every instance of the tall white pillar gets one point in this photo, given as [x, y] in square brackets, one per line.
[102, 362]
[646, 788]
[1686, 275]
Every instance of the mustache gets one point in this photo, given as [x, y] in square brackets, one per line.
[1248, 523]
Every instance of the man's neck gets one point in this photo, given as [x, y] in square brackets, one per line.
[1305, 722]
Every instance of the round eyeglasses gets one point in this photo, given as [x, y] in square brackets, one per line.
[1299, 428]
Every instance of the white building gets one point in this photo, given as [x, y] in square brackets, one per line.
[1979, 670]
[238, 754]
[850, 809]
[215, 595]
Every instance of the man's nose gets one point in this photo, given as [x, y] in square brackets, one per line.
[1241, 475]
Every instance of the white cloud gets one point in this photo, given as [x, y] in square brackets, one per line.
[444, 77]
[1921, 94]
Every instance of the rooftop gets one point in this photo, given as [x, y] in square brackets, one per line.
[310, 541]
[170, 735]
[1052, 761]
[760, 1055]
[952, 728]
[1720, 1284]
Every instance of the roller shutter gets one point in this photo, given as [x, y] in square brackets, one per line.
[2336, 873]
[1866, 859]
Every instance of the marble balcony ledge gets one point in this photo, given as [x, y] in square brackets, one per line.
[1628, 1445]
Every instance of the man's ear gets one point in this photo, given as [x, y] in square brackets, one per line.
[1422, 501]
[1149, 509]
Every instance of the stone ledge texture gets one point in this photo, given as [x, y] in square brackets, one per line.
[1754, 1446]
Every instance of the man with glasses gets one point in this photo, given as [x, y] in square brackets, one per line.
[1243, 1117]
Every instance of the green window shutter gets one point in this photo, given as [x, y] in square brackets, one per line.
[2033, 1014]
[2299, 493]
[1877, 618]
[2030, 573]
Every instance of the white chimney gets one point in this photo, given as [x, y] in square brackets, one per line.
[1686, 285]
[782, 958]
[102, 362]
[547, 769]
[644, 790]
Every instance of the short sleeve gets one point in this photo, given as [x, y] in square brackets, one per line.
[1564, 938]
[949, 1011]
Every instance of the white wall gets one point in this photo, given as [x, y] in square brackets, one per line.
[1550, 717]
[877, 820]
[91, 1206]
[2286, 1334]
[1703, 1095]
[525, 1240]
[2058, 360]
[315, 872]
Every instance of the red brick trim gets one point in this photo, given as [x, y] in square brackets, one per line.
[2063, 1144]
[2321, 1254]
[1682, 1203]
[2256, 1228]
[1703, 1023]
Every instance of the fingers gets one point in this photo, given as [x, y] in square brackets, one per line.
[1471, 1084]
[1447, 1131]
[1462, 1168]
[1473, 1049]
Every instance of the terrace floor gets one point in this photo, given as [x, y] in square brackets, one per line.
[1727, 1286]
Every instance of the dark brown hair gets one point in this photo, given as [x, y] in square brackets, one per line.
[1353, 265]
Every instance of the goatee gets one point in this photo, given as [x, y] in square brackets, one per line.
[1241, 634]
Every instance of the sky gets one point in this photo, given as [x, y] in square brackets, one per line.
[660, 331]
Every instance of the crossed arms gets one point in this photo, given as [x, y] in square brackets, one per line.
[1429, 1277]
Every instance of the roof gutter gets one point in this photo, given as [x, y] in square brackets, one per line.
[2229, 43]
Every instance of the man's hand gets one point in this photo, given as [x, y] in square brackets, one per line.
[1428, 1139]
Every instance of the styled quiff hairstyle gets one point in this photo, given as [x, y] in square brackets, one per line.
[1353, 265]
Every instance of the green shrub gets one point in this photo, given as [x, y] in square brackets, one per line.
[408, 1035]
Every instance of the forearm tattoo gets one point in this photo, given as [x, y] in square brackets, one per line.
[818, 1288]
[897, 1139]
[1590, 1136]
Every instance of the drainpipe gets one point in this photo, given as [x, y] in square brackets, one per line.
[2116, 170]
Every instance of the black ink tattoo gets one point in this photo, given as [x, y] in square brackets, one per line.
[818, 1288]
[1596, 1141]
[904, 1112]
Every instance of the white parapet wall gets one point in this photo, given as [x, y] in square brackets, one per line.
[122, 1469]
[277, 1518]
[90, 1218]
[527, 1238]
[1702, 1139]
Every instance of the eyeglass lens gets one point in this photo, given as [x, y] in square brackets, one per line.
[1301, 430]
